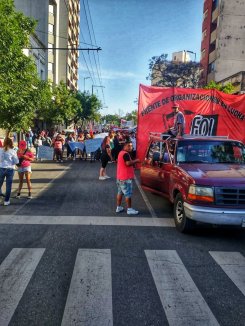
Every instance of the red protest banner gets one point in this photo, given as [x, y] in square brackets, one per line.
[207, 113]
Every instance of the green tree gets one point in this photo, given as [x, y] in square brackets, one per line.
[228, 88]
[63, 107]
[132, 116]
[18, 73]
[172, 74]
[114, 119]
[91, 106]
[44, 99]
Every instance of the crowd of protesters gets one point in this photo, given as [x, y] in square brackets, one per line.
[20, 158]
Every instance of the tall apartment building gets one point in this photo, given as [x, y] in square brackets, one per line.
[57, 30]
[223, 42]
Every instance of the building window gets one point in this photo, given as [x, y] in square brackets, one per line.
[203, 54]
[215, 4]
[211, 67]
[51, 28]
[50, 67]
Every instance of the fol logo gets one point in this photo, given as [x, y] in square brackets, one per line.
[204, 125]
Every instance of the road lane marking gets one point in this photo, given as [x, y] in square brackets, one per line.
[180, 297]
[148, 204]
[15, 273]
[43, 189]
[233, 264]
[89, 301]
[87, 220]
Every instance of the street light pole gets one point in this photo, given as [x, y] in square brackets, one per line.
[96, 86]
[192, 53]
[84, 78]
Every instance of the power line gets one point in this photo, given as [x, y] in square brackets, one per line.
[92, 41]
[76, 48]
[97, 52]
[65, 38]
[89, 35]
[99, 73]
[87, 68]
[89, 61]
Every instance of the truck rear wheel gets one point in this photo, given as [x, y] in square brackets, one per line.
[182, 223]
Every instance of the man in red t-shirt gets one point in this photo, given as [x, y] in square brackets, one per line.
[125, 176]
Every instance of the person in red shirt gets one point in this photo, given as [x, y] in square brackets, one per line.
[125, 176]
[58, 148]
[24, 167]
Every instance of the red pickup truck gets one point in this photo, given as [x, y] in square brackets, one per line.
[204, 177]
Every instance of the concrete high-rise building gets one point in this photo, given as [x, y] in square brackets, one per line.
[37, 10]
[57, 30]
[223, 43]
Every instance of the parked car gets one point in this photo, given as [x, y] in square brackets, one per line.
[204, 177]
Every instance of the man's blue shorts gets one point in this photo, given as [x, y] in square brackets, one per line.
[125, 187]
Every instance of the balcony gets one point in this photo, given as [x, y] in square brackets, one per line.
[213, 36]
[215, 14]
[212, 56]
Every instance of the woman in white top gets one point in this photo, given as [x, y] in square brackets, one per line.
[8, 159]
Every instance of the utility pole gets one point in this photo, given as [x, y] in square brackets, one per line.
[84, 78]
[96, 86]
[192, 53]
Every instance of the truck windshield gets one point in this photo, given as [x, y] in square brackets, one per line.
[210, 152]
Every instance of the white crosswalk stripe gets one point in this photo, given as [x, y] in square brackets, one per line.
[15, 274]
[233, 264]
[182, 302]
[89, 300]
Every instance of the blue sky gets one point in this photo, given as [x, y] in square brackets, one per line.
[130, 32]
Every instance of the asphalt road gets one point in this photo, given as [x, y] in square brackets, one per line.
[66, 258]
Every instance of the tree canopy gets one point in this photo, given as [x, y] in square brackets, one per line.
[18, 73]
[64, 105]
[90, 105]
[23, 96]
[173, 74]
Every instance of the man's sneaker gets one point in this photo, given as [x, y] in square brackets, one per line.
[29, 196]
[18, 195]
[119, 209]
[102, 178]
[107, 177]
[6, 203]
[131, 211]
